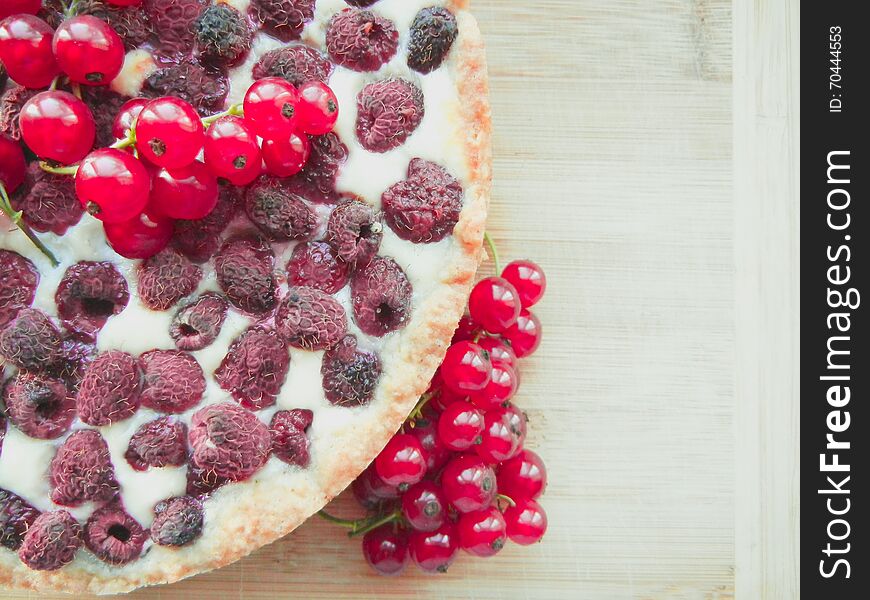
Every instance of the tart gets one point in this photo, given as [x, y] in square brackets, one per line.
[168, 416]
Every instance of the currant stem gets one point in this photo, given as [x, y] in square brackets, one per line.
[493, 251]
[507, 499]
[127, 141]
[234, 110]
[417, 412]
[77, 90]
[15, 217]
[70, 170]
[54, 83]
[361, 526]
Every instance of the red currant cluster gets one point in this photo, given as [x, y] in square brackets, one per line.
[456, 476]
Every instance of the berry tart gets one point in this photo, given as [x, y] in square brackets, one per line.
[239, 236]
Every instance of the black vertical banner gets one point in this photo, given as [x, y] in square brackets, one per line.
[835, 269]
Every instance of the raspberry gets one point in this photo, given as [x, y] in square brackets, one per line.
[177, 521]
[279, 214]
[310, 319]
[51, 542]
[41, 407]
[48, 201]
[198, 323]
[254, 368]
[31, 341]
[296, 63]
[381, 295]
[205, 88]
[77, 355]
[243, 267]
[104, 105]
[349, 374]
[289, 441]
[316, 264]
[110, 390]
[10, 106]
[229, 440]
[361, 40]
[114, 536]
[81, 470]
[432, 34]
[16, 517]
[388, 111]
[198, 240]
[283, 19]
[158, 443]
[172, 22]
[316, 181]
[425, 207]
[222, 34]
[129, 22]
[355, 230]
[201, 482]
[173, 381]
[88, 294]
[166, 278]
[18, 281]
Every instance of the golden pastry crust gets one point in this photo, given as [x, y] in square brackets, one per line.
[248, 516]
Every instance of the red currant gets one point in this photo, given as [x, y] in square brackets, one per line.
[526, 522]
[503, 384]
[25, 49]
[465, 368]
[459, 426]
[112, 185]
[465, 330]
[424, 506]
[271, 107]
[494, 304]
[125, 120]
[468, 483]
[503, 434]
[435, 551]
[401, 463]
[17, 7]
[523, 476]
[318, 108]
[529, 280]
[286, 156]
[188, 192]
[142, 236]
[386, 549]
[370, 490]
[88, 50]
[499, 352]
[12, 164]
[169, 132]
[57, 126]
[482, 532]
[232, 151]
[524, 335]
[436, 453]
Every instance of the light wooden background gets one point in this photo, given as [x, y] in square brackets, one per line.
[613, 162]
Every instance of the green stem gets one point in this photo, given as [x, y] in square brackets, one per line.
[70, 170]
[417, 412]
[234, 110]
[54, 83]
[77, 90]
[493, 251]
[127, 141]
[507, 499]
[71, 9]
[361, 526]
[15, 217]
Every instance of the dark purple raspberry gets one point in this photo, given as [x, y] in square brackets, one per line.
[129, 22]
[283, 19]
[172, 22]
[425, 207]
[114, 536]
[82, 470]
[279, 214]
[316, 264]
[254, 368]
[41, 407]
[296, 63]
[201, 482]
[361, 3]
[355, 230]
[172, 381]
[310, 319]
[158, 443]
[177, 521]
[77, 355]
[11, 103]
[104, 105]
[229, 440]
[110, 390]
[2, 431]
[243, 267]
[198, 323]
[198, 240]
[16, 517]
[381, 296]
[88, 294]
[18, 281]
[51, 541]
[349, 375]
[48, 201]
[289, 438]
[361, 40]
[222, 34]
[316, 181]
[166, 278]
[388, 111]
[204, 87]
[31, 341]
[4, 77]
[432, 34]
